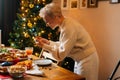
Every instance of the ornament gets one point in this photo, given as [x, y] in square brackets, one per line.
[29, 24]
[33, 29]
[26, 35]
[36, 8]
[31, 5]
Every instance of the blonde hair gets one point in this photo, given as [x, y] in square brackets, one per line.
[51, 10]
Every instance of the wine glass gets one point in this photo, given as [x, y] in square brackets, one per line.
[29, 51]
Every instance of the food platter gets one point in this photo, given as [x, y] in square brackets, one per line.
[3, 70]
[12, 55]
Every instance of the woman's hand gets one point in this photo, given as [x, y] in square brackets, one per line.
[41, 41]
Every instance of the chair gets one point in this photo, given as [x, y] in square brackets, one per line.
[67, 63]
[114, 71]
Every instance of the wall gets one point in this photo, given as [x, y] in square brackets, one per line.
[103, 24]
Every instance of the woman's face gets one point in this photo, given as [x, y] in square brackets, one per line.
[52, 22]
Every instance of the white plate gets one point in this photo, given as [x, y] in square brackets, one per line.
[43, 62]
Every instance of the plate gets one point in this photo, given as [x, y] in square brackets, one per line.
[43, 62]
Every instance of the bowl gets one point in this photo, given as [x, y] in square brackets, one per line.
[16, 71]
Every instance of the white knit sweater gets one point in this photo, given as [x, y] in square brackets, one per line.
[74, 42]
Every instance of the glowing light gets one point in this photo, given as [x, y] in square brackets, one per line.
[22, 8]
[24, 19]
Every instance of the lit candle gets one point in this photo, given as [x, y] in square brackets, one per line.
[0, 38]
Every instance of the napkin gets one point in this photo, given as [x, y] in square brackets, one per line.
[35, 72]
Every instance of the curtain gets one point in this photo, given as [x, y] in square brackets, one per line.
[8, 10]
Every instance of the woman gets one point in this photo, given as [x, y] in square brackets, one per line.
[74, 42]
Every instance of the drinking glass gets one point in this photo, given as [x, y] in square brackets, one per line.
[29, 51]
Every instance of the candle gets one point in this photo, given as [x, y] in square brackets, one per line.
[0, 38]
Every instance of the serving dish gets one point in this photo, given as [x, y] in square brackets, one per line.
[16, 71]
[12, 55]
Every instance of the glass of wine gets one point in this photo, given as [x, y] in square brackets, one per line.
[29, 51]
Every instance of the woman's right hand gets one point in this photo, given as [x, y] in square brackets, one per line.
[41, 41]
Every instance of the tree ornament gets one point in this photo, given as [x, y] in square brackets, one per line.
[29, 24]
[36, 8]
[31, 5]
[26, 35]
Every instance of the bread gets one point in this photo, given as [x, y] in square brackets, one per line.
[27, 63]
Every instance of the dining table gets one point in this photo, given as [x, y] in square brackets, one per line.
[51, 72]
[54, 72]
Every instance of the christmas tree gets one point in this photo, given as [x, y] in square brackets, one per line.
[29, 24]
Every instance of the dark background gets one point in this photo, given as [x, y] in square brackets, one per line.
[8, 10]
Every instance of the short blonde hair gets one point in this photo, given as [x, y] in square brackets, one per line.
[51, 10]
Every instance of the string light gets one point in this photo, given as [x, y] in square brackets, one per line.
[22, 1]
[24, 19]
[26, 10]
[35, 19]
[23, 14]
[22, 8]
